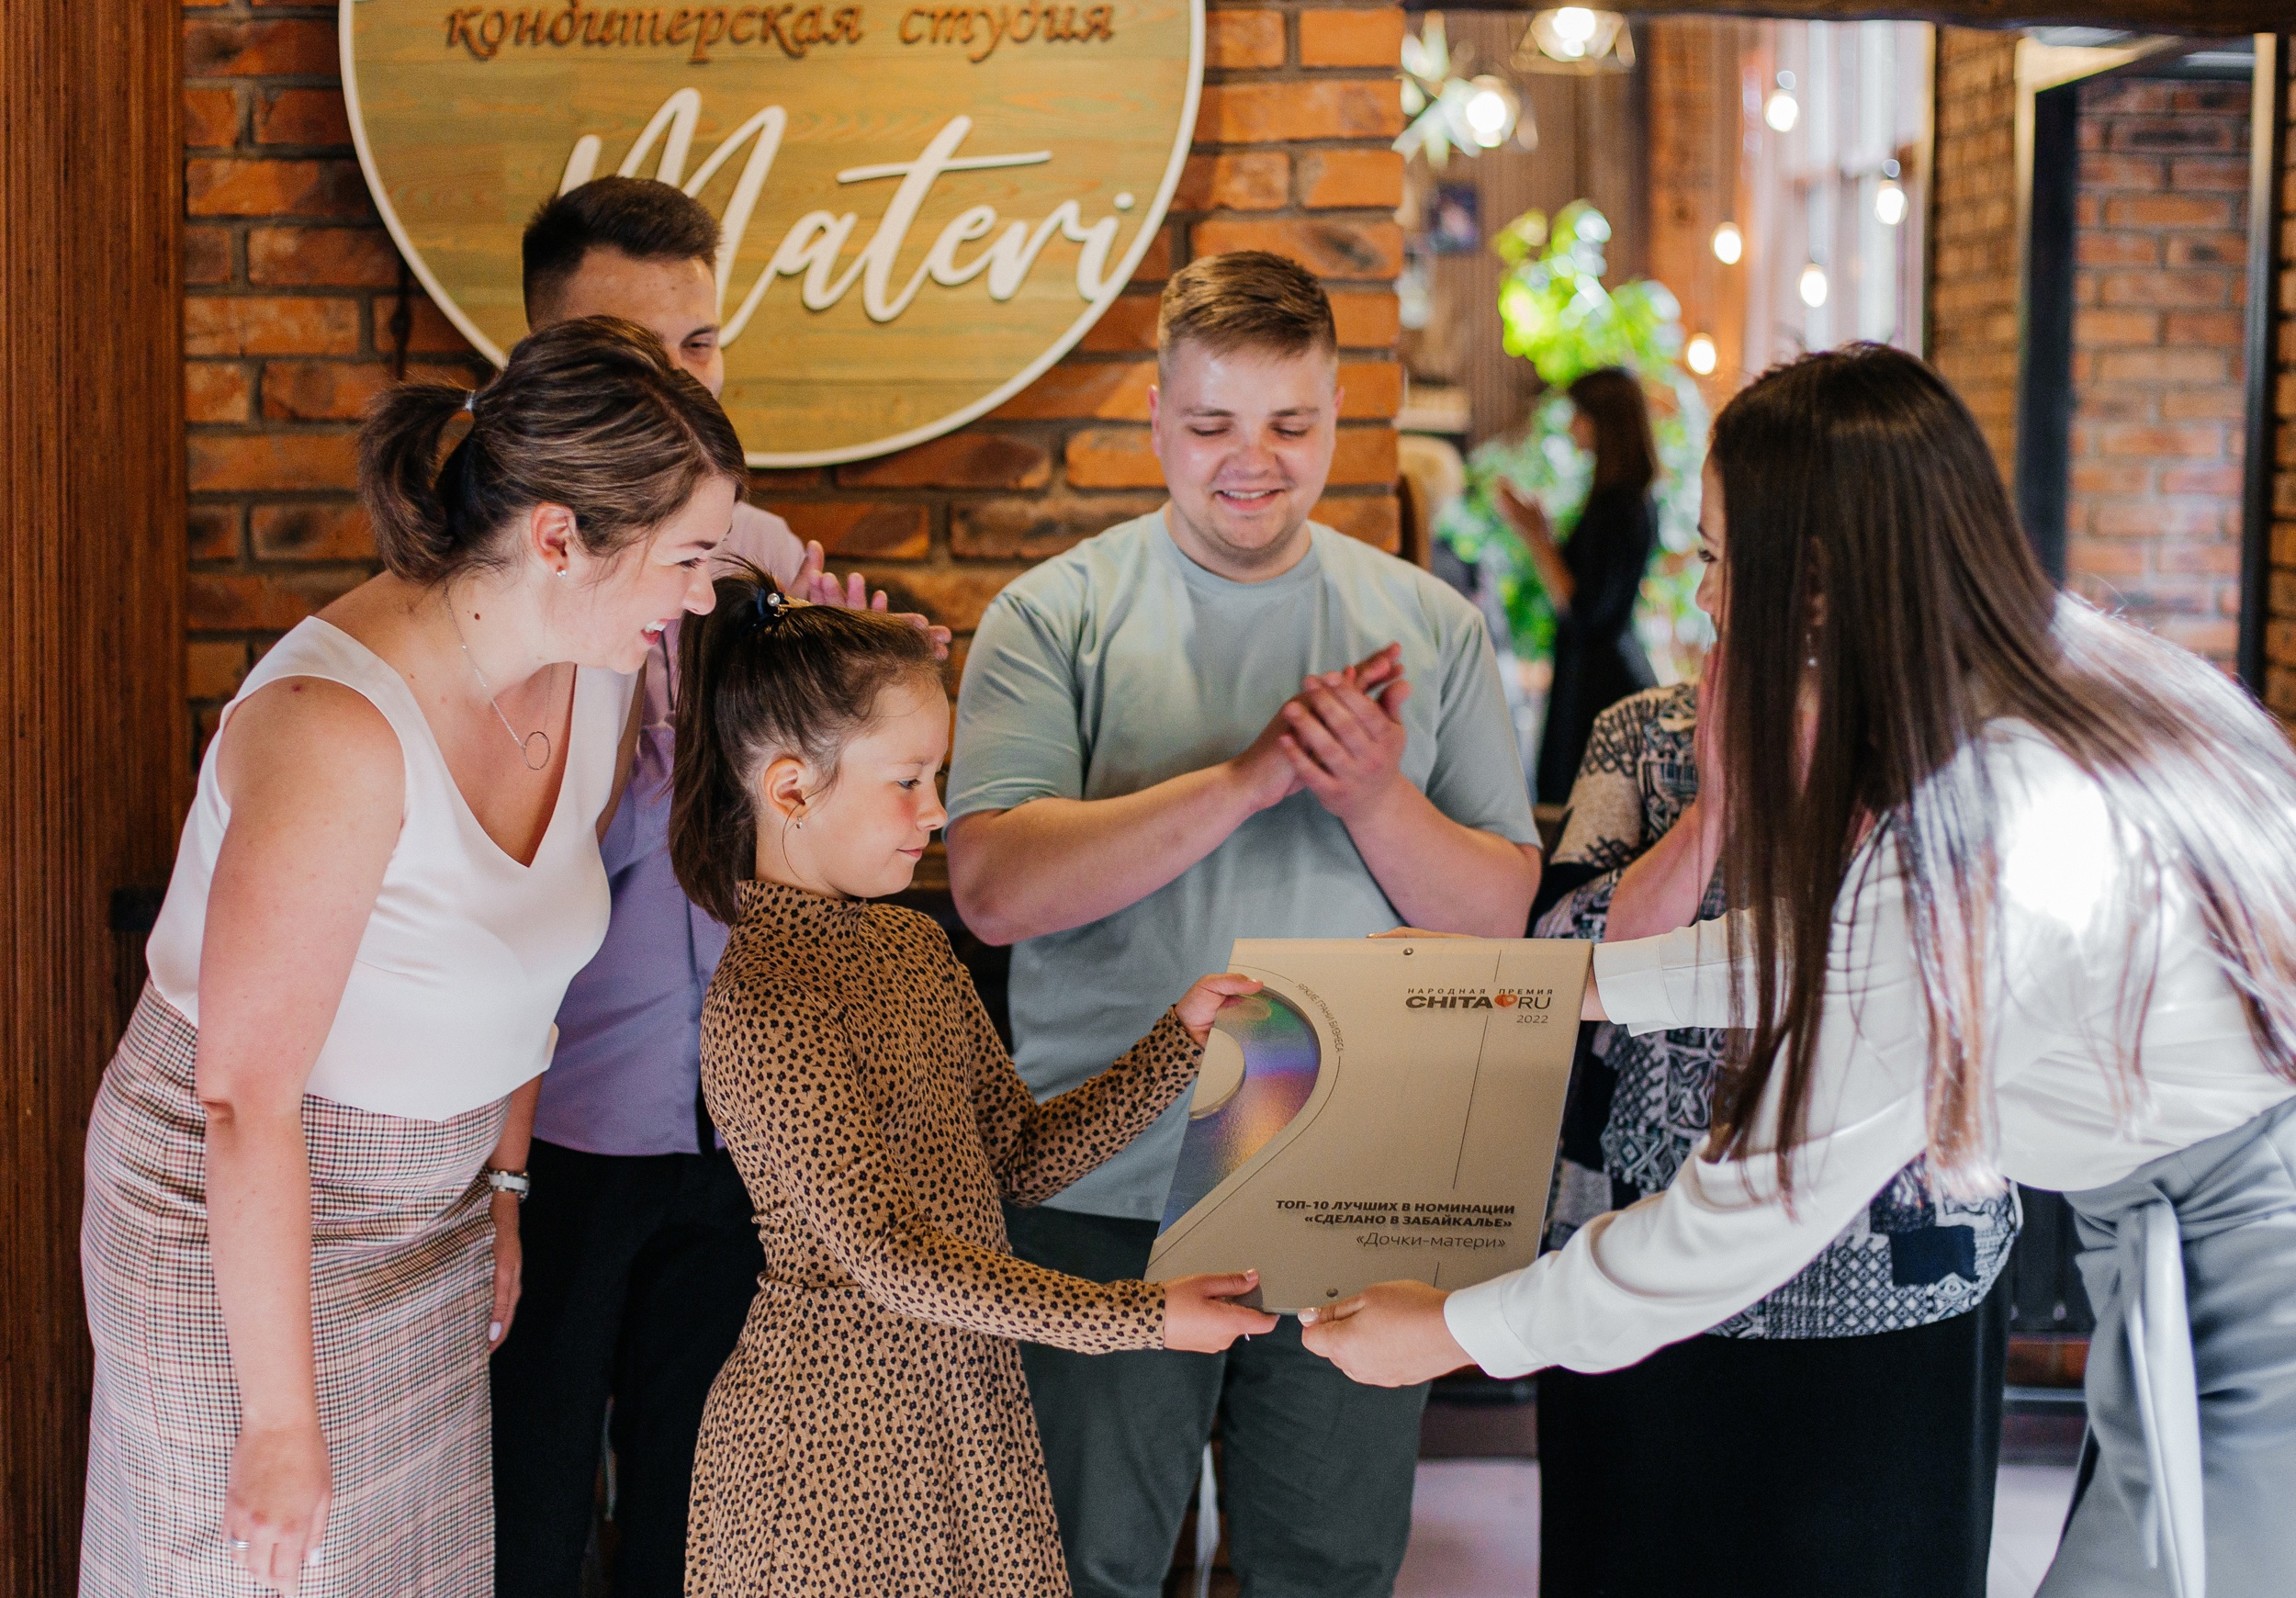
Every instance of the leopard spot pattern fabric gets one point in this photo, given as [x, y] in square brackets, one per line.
[872, 1433]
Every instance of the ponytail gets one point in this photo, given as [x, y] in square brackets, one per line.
[761, 677]
[400, 484]
[592, 414]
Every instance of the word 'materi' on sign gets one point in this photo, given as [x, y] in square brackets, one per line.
[814, 241]
[903, 245]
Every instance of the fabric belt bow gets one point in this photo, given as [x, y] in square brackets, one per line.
[2170, 1520]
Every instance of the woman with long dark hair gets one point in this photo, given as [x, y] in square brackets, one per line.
[1872, 1380]
[2012, 884]
[1594, 576]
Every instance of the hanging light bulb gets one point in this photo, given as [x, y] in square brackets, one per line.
[1783, 110]
[1490, 111]
[1575, 38]
[1889, 199]
[1729, 244]
[1814, 286]
[1699, 355]
[1574, 30]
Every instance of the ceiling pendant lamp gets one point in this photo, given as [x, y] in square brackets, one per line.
[1575, 38]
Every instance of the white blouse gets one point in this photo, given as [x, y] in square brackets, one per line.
[1684, 1260]
[459, 973]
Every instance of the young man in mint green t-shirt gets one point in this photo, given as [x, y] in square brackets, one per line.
[1218, 721]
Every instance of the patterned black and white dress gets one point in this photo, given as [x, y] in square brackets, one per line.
[1914, 1258]
[1880, 1327]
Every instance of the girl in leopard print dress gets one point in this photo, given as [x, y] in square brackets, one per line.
[871, 1431]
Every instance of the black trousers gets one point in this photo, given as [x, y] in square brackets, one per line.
[1736, 1467]
[1318, 1471]
[639, 1271]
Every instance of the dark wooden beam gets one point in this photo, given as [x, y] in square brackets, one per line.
[2268, 170]
[2044, 378]
[2198, 18]
[96, 759]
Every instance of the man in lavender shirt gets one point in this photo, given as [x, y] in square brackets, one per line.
[641, 1251]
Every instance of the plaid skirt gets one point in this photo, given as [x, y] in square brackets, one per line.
[402, 1292]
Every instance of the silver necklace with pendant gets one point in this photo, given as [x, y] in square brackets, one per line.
[525, 744]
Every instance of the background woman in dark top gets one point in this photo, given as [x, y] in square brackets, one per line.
[1594, 578]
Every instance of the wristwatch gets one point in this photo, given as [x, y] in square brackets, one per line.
[517, 1184]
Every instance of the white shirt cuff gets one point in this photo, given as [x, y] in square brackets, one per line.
[1478, 1322]
[1631, 978]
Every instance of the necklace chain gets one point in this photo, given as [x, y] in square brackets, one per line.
[525, 744]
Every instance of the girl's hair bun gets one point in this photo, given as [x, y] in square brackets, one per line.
[760, 676]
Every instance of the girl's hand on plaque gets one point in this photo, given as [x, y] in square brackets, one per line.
[1392, 1334]
[1202, 1004]
[1199, 1318]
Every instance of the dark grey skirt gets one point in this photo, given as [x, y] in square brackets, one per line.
[2191, 1264]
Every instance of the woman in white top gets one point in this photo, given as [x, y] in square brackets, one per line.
[2020, 891]
[301, 1230]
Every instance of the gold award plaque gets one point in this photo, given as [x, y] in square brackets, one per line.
[924, 206]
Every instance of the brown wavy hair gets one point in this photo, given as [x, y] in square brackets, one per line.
[1626, 456]
[759, 677]
[592, 414]
[1873, 562]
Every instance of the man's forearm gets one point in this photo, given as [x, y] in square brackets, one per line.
[1052, 864]
[1441, 875]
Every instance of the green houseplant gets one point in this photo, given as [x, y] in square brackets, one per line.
[1557, 314]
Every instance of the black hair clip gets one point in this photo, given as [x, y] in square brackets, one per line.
[768, 607]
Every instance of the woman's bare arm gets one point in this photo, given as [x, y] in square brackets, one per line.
[1527, 518]
[1664, 889]
[315, 782]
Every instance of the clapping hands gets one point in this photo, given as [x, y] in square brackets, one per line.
[1344, 734]
[1341, 738]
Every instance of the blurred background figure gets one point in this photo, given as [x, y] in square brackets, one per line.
[1594, 578]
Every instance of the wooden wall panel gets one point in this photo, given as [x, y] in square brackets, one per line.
[1592, 147]
[95, 766]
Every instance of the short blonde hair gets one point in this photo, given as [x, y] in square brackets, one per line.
[1246, 298]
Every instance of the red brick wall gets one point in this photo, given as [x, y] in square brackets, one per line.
[2154, 514]
[1973, 272]
[291, 285]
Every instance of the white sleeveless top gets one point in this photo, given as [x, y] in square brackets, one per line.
[467, 953]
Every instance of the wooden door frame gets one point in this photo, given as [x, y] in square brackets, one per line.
[2268, 164]
[95, 772]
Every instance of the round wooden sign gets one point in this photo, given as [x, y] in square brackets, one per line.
[924, 206]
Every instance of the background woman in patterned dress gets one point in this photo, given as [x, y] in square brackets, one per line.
[871, 1431]
[294, 1271]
